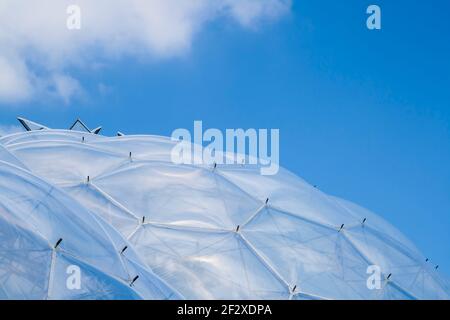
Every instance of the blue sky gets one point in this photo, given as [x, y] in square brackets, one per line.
[365, 115]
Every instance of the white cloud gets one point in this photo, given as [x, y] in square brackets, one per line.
[14, 80]
[37, 49]
[66, 87]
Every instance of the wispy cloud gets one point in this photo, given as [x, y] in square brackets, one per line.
[37, 50]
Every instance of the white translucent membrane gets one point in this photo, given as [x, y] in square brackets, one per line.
[103, 205]
[384, 245]
[65, 161]
[207, 265]
[49, 135]
[8, 157]
[180, 195]
[34, 216]
[317, 260]
[141, 147]
[210, 234]
[290, 193]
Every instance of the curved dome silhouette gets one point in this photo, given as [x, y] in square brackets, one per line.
[208, 233]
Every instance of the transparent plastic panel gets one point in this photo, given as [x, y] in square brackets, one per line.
[408, 270]
[141, 147]
[203, 265]
[66, 162]
[24, 260]
[179, 195]
[104, 206]
[381, 250]
[48, 135]
[8, 157]
[404, 267]
[313, 259]
[289, 193]
[390, 292]
[374, 221]
[423, 282]
[72, 279]
[148, 284]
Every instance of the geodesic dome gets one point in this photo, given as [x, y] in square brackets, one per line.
[195, 231]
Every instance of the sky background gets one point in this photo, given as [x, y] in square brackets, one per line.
[364, 115]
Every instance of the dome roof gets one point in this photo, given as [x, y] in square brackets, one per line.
[193, 231]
